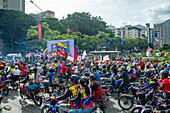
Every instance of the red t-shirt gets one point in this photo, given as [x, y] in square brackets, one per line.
[141, 63]
[166, 84]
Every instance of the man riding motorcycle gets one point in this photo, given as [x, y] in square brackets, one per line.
[72, 92]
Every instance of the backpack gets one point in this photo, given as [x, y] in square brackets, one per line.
[38, 78]
[55, 79]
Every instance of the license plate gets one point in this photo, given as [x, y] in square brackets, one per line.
[40, 94]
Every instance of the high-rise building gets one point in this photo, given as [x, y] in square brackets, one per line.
[162, 32]
[137, 31]
[42, 15]
[18, 5]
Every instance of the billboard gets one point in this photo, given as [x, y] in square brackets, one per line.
[52, 46]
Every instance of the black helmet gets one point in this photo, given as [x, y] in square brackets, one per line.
[12, 66]
[94, 68]
[55, 61]
[165, 73]
[119, 65]
[149, 73]
[51, 69]
[132, 67]
[93, 77]
[1, 67]
[84, 81]
[74, 78]
[104, 66]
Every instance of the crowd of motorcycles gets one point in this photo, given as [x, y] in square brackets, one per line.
[130, 99]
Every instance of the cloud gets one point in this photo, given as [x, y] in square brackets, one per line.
[159, 13]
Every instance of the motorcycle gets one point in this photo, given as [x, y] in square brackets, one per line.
[99, 105]
[10, 82]
[35, 94]
[5, 88]
[53, 107]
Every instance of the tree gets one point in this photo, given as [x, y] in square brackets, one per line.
[33, 43]
[14, 25]
[54, 24]
[84, 23]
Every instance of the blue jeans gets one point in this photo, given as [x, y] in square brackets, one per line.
[33, 86]
[84, 110]
[45, 84]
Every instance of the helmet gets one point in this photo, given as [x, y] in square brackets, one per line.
[12, 66]
[74, 78]
[149, 73]
[84, 81]
[94, 68]
[132, 67]
[104, 66]
[119, 65]
[51, 69]
[55, 61]
[165, 73]
[38, 64]
[93, 77]
[1, 67]
[16, 67]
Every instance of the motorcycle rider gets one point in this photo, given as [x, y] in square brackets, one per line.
[96, 87]
[125, 81]
[15, 74]
[84, 97]
[72, 92]
[32, 84]
[153, 81]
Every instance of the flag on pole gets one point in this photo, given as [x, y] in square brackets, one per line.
[108, 42]
[157, 45]
[106, 58]
[61, 51]
[75, 53]
[60, 44]
[84, 55]
[122, 42]
[28, 55]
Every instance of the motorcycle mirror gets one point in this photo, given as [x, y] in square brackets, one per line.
[7, 107]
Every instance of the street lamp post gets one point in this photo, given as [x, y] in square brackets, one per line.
[37, 7]
[149, 35]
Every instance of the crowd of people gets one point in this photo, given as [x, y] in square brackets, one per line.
[85, 78]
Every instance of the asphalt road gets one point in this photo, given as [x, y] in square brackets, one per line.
[27, 106]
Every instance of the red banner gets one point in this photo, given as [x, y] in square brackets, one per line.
[39, 30]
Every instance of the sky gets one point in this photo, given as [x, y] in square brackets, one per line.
[114, 12]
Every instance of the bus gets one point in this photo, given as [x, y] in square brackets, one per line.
[12, 58]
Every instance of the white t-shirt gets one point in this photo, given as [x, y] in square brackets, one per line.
[16, 72]
[33, 77]
[75, 68]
